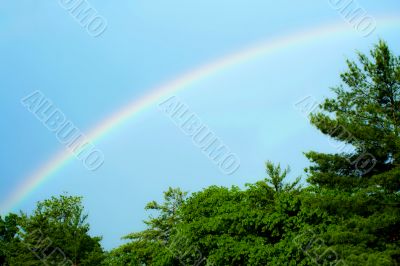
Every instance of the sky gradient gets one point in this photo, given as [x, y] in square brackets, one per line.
[250, 106]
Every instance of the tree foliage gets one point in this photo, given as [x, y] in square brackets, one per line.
[55, 233]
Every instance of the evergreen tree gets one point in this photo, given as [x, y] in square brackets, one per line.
[359, 188]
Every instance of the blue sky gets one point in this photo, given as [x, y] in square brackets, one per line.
[249, 106]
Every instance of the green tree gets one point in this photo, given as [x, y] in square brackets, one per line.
[152, 246]
[56, 233]
[357, 188]
[235, 226]
[8, 235]
[365, 114]
[276, 176]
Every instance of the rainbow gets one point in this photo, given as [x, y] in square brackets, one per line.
[138, 106]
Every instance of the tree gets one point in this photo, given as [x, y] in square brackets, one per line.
[357, 188]
[8, 233]
[56, 233]
[152, 246]
[365, 114]
[276, 176]
[222, 226]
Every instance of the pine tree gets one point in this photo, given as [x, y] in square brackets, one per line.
[358, 187]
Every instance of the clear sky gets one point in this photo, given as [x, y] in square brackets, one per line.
[249, 106]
